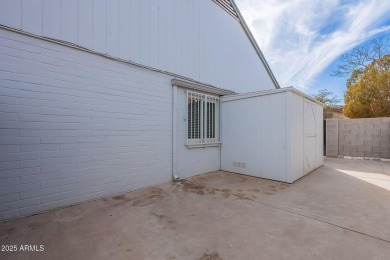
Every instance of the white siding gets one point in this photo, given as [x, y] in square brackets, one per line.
[124, 26]
[32, 16]
[69, 20]
[52, 18]
[76, 126]
[11, 13]
[85, 23]
[192, 38]
[192, 161]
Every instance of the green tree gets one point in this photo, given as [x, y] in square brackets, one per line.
[368, 90]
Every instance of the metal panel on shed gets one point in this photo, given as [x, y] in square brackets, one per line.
[319, 136]
[254, 136]
[295, 135]
[271, 134]
[309, 140]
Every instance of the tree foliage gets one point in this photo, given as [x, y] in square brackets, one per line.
[368, 90]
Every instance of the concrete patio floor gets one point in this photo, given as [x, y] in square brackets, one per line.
[339, 211]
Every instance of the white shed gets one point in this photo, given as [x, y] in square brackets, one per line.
[274, 134]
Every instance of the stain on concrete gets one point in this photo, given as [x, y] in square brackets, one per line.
[201, 179]
[35, 225]
[31, 226]
[193, 187]
[167, 222]
[8, 232]
[240, 194]
[155, 190]
[210, 256]
[147, 200]
[141, 199]
[226, 193]
[242, 178]
[11, 230]
[284, 185]
[119, 197]
[255, 190]
[272, 187]
[210, 191]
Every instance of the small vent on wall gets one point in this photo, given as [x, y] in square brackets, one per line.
[239, 164]
[227, 6]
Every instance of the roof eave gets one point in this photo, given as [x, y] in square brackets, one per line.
[201, 87]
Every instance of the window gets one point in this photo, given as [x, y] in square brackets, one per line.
[203, 119]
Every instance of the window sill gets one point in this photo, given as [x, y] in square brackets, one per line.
[192, 146]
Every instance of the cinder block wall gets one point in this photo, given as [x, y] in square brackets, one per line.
[332, 137]
[367, 137]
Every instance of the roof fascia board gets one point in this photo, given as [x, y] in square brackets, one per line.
[201, 87]
[254, 44]
[268, 92]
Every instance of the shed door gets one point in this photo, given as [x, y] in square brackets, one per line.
[309, 127]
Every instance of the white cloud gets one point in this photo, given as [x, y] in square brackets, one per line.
[300, 38]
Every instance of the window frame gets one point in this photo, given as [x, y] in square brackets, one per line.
[203, 122]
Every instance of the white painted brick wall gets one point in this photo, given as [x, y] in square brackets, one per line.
[75, 126]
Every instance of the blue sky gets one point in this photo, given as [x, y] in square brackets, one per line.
[304, 39]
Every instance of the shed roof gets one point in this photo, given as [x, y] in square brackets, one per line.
[268, 92]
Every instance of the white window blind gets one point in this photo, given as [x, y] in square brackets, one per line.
[203, 118]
